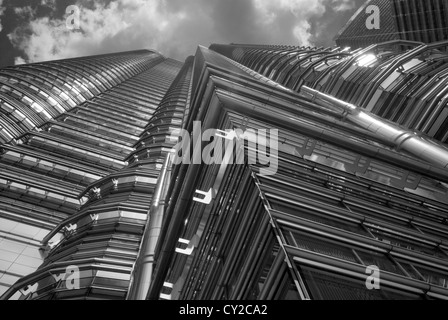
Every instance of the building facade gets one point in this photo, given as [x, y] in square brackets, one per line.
[369, 26]
[78, 174]
[424, 21]
[321, 166]
[352, 191]
[408, 88]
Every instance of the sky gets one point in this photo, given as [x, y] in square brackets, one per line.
[36, 30]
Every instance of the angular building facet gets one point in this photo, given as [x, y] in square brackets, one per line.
[247, 172]
[378, 21]
[373, 23]
[353, 192]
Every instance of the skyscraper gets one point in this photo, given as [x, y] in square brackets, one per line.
[423, 21]
[83, 142]
[353, 192]
[406, 88]
[360, 31]
[248, 172]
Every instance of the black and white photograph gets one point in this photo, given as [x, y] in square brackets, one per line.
[218, 157]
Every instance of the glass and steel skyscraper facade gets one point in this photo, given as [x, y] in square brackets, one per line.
[424, 21]
[345, 168]
[356, 33]
[352, 190]
[78, 173]
[406, 88]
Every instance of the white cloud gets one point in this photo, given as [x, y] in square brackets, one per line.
[299, 8]
[302, 32]
[2, 11]
[173, 27]
[302, 10]
[48, 3]
[343, 5]
[25, 12]
[19, 60]
[120, 25]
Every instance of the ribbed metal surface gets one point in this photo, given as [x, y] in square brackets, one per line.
[407, 88]
[416, 20]
[343, 198]
[421, 20]
[72, 176]
[355, 33]
[348, 188]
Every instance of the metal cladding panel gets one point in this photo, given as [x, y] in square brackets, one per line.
[69, 199]
[339, 202]
[356, 34]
